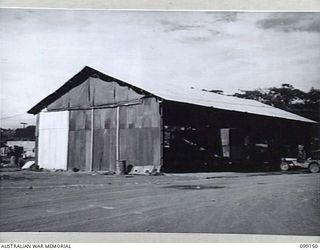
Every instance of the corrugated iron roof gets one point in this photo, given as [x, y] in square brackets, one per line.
[179, 94]
[209, 99]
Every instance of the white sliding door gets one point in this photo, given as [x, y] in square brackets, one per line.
[53, 140]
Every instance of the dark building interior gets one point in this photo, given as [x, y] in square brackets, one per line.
[199, 139]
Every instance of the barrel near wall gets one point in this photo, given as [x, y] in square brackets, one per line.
[120, 167]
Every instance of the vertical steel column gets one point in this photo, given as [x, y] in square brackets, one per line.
[161, 134]
[37, 140]
[91, 145]
[118, 134]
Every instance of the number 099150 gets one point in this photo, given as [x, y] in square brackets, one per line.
[309, 246]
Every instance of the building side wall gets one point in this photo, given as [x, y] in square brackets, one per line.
[104, 139]
[79, 140]
[139, 135]
[103, 113]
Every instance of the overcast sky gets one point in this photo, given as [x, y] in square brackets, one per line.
[41, 49]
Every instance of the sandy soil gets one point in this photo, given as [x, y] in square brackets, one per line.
[237, 203]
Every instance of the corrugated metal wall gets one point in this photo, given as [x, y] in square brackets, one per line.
[94, 92]
[92, 126]
[104, 153]
[139, 135]
[79, 140]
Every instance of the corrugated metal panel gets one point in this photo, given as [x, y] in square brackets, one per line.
[53, 140]
[80, 140]
[168, 92]
[104, 139]
[94, 92]
[139, 135]
[208, 99]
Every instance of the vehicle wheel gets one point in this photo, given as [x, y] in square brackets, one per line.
[284, 166]
[314, 168]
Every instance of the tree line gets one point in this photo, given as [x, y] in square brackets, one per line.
[286, 97]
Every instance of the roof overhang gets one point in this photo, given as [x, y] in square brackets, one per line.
[183, 95]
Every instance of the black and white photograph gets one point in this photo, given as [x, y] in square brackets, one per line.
[132, 121]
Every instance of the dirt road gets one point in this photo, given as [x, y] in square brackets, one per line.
[237, 203]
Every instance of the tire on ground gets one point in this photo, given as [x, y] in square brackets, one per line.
[285, 166]
[314, 167]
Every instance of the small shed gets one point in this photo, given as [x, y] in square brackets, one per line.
[95, 120]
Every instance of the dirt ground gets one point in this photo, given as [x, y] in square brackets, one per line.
[236, 203]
